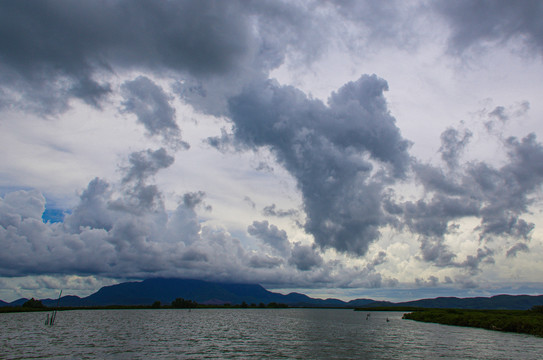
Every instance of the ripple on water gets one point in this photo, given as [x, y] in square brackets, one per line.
[250, 333]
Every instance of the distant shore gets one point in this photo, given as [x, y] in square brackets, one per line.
[519, 321]
[12, 309]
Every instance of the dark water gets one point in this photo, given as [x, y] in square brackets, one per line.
[250, 333]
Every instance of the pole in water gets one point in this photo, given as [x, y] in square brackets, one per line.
[54, 314]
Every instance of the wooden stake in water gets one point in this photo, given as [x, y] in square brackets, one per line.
[54, 315]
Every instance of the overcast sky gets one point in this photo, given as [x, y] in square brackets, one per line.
[349, 149]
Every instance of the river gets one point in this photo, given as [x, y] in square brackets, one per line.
[250, 333]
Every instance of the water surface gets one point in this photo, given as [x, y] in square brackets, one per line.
[250, 333]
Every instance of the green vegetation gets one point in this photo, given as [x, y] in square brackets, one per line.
[179, 303]
[34, 304]
[519, 321]
[389, 308]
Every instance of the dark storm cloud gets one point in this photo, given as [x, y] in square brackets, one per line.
[305, 257]
[54, 50]
[431, 218]
[472, 262]
[113, 234]
[331, 151]
[512, 252]
[498, 197]
[434, 179]
[434, 250]
[193, 199]
[431, 282]
[381, 22]
[499, 113]
[271, 235]
[17, 206]
[272, 211]
[502, 115]
[140, 196]
[508, 189]
[257, 260]
[466, 282]
[150, 104]
[477, 23]
[452, 144]
[144, 164]
[116, 231]
[92, 210]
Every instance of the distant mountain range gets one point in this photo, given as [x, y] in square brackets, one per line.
[213, 293]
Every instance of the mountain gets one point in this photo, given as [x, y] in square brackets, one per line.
[67, 301]
[18, 302]
[498, 302]
[204, 292]
[360, 302]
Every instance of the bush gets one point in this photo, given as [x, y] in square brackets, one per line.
[34, 304]
[181, 303]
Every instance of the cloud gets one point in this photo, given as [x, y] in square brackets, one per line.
[501, 115]
[144, 164]
[452, 143]
[257, 260]
[434, 250]
[431, 282]
[250, 202]
[472, 262]
[18, 206]
[271, 235]
[381, 23]
[480, 23]
[138, 196]
[512, 252]
[206, 43]
[330, 150]
[271, 211]
[92, 210]
[304, 257]
[115, 231]
[102, 237]
[185, 36]
[497, 196]
[150, 104]
[193, 199]
[350, 163]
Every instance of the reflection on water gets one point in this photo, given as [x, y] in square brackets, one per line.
[250, 333]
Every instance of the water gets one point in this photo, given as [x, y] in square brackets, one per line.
[250, 333]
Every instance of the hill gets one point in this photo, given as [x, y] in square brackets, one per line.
[498, 302]
[203, 292]
[148, 291]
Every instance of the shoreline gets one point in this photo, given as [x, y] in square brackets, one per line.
[518, 321]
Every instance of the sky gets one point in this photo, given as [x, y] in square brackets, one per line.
[349, 149]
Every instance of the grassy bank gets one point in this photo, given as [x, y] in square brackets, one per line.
[519, 321]
[157, 305]
[389, 308]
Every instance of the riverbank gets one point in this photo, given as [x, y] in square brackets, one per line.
[519, 321]
[14, 309]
